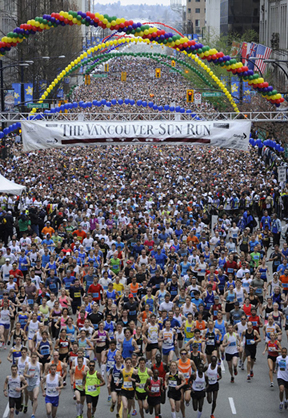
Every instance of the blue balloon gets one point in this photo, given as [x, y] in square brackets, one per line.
[182, 110]
[139, 102]
[120, 101]
[113, 101]
[89, 104]
[172, 109]
[144, 103]
[1, 135]
[94, 102]
[166, 107]
[188, 111]
[155, 107]
[177, 108]
[99, 104]
[150, 104]
[261, 145]
[132, 102]
[160, 108]
[126, 101]
[6, 131]
[108, 104]
[103, 101]
[281, 149]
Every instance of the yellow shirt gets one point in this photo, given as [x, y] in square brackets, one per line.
[119, 287]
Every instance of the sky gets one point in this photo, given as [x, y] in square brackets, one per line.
[127, 2]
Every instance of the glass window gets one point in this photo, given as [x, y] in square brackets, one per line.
[197, 10]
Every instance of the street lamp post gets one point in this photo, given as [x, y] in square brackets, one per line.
[252, 60]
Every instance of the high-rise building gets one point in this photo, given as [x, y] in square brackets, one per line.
[195, 16]
[212, 26]
[238, 16]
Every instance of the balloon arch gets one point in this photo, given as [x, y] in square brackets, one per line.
[147, 33]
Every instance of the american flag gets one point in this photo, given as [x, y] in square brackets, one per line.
[263, 52]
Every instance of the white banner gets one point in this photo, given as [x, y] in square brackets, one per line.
[282, 174]
[58, 134]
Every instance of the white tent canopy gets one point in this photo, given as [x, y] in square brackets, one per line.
[7, 186]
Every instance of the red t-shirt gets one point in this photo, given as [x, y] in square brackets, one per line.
[247, 309]
[255, 321]
[96, 290]
[14, 274]
[149, 244]
[230, 267]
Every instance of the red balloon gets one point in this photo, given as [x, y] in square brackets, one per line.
[234, 71]
[116, 27]
[214, 57]
[29, 27]
[122, 25]
[66, 21]
[97, 20]
[278, 101]
[130, 22]
[70, 22]
[154, 34]
[149, 36]
[265, 84]
[53, 14]
[185, 45]
[126, 23]
[61, 18]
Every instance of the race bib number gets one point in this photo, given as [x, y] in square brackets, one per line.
[172, 383]
[91, 388]
[127, 385]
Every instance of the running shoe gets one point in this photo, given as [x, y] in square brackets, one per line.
[232, 380]
[32, 416]
[112, 408]
[16, 412]
[248, 379]
[212, 416]
[281, 406]
[285, 404]
[128, 416]
[117, 416]
[109, 398]
[134, 413]
[251, 373]
[187, 403]
[235, 371]
[222, 356]
[219, 362]
[21, 408]
[240, 363]
[64, 383]
[146, 410]
[242, 366]
[25, 409]
[271, 385]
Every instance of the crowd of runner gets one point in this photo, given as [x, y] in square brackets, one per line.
[115, 272]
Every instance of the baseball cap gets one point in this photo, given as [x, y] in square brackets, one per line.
[7, 259]
[130, 296]
[105, 265]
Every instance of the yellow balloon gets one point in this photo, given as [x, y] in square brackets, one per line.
[70, 17]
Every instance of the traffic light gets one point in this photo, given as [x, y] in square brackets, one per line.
[123, 76]
[87, 80]
[106, 68]
[158, 73]
[173, 63]
[190, 96]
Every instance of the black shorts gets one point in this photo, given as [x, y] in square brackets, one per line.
[286, 327]
[185, 388]
[15, 403]
[175, 394]
[116, 389]
[129, 394]
[229, 307]
[154, 400]
[273, 358]
[229, 357]
[82, 392]
[250, 352]
[92, 399]
[141, 396]
[180, 336]
[213, 388]
[281, 382]
[198, 394]
[151, 347]
[260, 299]
[209, 349]
[100, 349]
[63, 357]
[44, 360]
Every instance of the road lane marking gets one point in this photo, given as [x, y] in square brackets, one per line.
[6, 412]
[232, 406]
[222, 366]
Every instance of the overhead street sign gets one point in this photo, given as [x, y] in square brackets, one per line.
[38, 105]
[212, 94]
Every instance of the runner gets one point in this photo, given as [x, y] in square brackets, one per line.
[51, 386]
[154, 388]
[213, 375]
[14, 386]
[77, 378]
[92, 382]
[186, 367]
[21, 364]
[168, 337]
[115, 383]
[32, 373]
[231, 343]
[141, 395]
[129, 377]
[151, 338]
[199, 385]
[282, 378]
[174, 381]
[274, 348]
[110, 362]
[251, 338]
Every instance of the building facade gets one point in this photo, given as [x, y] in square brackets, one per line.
[239, 16]
[195, 16]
